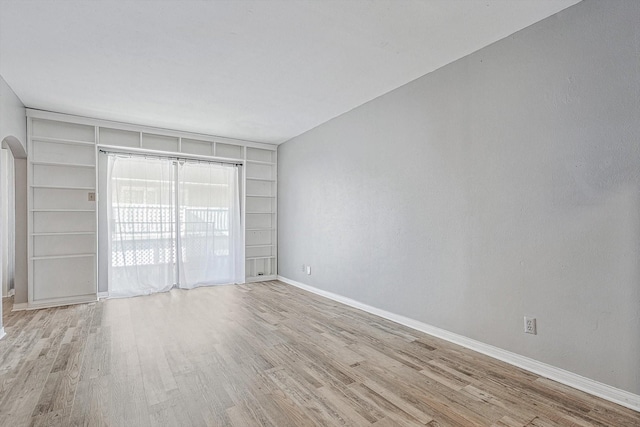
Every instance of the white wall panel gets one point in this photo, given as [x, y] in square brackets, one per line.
[228, 150]
[63, 277]
[42, 151]
[260, 171]
[260, 204]
[159, 142]
[259, 237]
[119, 137]
[192, 146]
[62, 130]
[68, 244]
[58, 198]
[260, 220]
[63, 222]
[256, 154]
[64, 176]
[260, 188]
[257, 250]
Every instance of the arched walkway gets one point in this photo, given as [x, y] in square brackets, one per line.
[17, 148]
[19, 154]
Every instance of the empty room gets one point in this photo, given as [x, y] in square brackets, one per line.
[320, 213]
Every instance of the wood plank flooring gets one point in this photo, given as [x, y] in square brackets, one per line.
[263, 354]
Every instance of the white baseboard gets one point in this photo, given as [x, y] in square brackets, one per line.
[612, 394]
[56, 302]
[20, 306]
[103, 295]
[2, 333]
[12, 292]
[260, 279]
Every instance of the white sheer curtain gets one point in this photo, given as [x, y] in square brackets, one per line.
[142, 225]
[210, 248]
[172, 224]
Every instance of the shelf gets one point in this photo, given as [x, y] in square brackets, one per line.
[62, 256]
[257, 195]
[261, 229]
[260, 246]
[61, 141]
[261, 257]
[260, 162]
[65, 233]
[63, 187]
[62, 210]
[261, 179]
[260, 213]
[71, 165]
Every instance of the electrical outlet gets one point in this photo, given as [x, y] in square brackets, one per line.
[530, 325]
[308, 269]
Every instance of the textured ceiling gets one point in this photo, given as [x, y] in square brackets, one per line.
[261, 70]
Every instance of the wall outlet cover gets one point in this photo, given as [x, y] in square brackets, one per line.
[530, 325]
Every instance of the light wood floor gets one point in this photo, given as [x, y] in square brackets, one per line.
[262, 354]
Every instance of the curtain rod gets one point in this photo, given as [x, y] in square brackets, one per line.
[169, 157]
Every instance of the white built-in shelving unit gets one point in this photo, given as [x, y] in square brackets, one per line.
[62, 220]
[261, 211]
[63, 183]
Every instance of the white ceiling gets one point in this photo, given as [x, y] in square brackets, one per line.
[261, 70]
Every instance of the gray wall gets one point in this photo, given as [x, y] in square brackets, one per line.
[504, 184]
[13, 120]
[13, 133]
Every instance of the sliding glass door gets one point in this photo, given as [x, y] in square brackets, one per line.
[209, 220]
[172, 223]
[142, 225]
